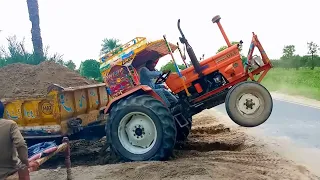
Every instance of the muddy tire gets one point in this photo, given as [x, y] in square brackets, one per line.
[183, 133]
[141, 128]
[249, 104]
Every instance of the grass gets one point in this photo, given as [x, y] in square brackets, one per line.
[303, 82]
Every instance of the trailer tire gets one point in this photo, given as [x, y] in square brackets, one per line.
[249, 104]
[150, 119]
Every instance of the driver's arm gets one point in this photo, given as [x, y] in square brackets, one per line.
[151, 74]
[160, 86]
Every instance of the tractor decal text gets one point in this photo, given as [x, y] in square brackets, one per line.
[227, 56]
[46, 108]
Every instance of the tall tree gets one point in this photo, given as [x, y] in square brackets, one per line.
[288, 51]
[287, 58]
[33, 10]
[109, 45]
[313, 50]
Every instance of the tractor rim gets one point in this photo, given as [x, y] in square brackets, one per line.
[137, 132]
[248, 104]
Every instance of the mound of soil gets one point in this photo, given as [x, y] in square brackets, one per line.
[23, 80]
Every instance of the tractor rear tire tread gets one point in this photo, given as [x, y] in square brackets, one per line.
[168, 127]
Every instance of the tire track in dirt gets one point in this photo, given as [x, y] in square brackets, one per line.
[212, 151]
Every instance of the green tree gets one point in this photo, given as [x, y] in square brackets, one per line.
[288, 59]
[295, 61]
[15, 52]
[2, 60]
[288, 51]
[70, 64]
[33, 9]
[170, 66]
[313, 50]
[109, 45]
[90, 68]
[225, 47]
[304, 61]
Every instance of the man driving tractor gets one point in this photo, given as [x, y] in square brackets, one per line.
[147, 74]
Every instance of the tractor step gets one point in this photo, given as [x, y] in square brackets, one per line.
[181, 120]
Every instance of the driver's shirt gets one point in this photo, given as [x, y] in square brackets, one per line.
[147, 76]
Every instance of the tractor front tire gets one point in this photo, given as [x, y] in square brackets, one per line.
[249, 104]
[141, 128]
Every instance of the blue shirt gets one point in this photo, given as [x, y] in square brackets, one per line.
[147, 76]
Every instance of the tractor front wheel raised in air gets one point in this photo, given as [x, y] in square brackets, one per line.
[249, 104]
[141, 128]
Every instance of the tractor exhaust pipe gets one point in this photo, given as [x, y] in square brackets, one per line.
[216, 19]
[190, 51]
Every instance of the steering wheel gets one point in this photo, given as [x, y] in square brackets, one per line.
[162, 78]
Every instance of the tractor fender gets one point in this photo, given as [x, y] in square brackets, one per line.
[141, 89]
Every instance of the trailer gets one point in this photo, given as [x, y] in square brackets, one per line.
[70, 111]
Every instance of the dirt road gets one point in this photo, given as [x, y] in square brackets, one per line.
[213, 151]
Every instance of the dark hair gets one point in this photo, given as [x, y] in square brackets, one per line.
[1, 109]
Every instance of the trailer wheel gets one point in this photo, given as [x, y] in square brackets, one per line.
[141, 128]
[249, 104]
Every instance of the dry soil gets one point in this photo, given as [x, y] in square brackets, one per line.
[23, 80]
[212, 151]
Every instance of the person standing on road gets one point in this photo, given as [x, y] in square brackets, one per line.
[13, 151]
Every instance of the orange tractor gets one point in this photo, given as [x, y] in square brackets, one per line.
[141, 126]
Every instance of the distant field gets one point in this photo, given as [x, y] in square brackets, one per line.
[304, 82]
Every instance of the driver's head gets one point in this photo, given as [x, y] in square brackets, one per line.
[151, 65]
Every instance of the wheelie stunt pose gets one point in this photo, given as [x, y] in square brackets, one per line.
[146, 119]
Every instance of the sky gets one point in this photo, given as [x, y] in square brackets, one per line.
[75, 28]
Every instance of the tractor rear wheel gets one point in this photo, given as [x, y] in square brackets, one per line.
[141, 128]
[249, 104]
